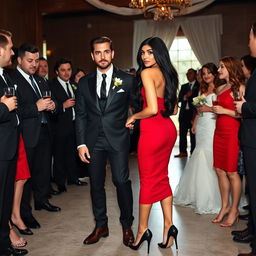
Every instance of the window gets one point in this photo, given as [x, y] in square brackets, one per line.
[183, 57]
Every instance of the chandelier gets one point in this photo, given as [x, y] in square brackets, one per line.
[161, 9]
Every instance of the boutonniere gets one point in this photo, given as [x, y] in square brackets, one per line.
[74, 87]
[117, 82]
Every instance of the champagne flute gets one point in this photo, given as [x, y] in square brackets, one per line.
[9, 92]
[214, 100]
[46, 94]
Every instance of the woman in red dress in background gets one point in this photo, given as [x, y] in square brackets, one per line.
[226, 144]
[22, 174]
[159, 82]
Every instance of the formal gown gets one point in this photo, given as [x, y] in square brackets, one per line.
[226, 143]
[198, 186]
[157, 138]
[22, 171]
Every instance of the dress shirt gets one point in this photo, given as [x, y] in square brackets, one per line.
[109, 74]
[64, 85]
[191, 85]
[1, 74]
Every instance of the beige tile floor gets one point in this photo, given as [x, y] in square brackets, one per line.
[62, 233]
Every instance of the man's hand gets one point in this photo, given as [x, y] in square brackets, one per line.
[130, 122]
[188, 94]
[51, 106]
[238, 105]
[42, 104]
[10, 102]
[84, 154]
[69, 103]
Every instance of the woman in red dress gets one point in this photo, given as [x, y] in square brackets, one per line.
[159, 82]
[226, 143]
[22, 174]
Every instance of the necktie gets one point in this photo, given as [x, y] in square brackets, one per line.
[68, 91]
[103, 90]
[38, 94]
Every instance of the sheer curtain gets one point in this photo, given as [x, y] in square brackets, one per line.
[146, 28]
[203, 33]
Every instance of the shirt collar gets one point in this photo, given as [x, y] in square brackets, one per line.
[62, 82]
[109, 73]
[24, 74]
[1, 71]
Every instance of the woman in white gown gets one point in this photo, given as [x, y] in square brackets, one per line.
[198, 187]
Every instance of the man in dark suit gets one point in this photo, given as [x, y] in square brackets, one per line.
[43, 68]
[65, 154]
[35, 113]
[187, 111]
[103, 99]
[247, 134]
[8, 147]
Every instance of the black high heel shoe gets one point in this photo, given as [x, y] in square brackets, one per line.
[25, 231]
[173, 231]
[146, 236]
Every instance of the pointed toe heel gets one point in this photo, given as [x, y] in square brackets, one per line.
[147, 236]
[172, 232]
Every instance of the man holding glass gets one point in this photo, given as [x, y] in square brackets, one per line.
[8, 145]
[35, 107]
[65, 154]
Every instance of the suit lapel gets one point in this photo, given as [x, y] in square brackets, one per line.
[93, 90]
[112, 89]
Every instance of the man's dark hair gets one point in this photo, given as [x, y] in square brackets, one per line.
[100, 40]
[4, 34]
[60, 62]
[26, 48]
[42, 58]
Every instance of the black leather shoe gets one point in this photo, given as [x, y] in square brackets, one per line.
[243, 232]
[246, 207]
[31, 222]
[61, 188]
[78, 183]
[10, 251]
[244, 217]
[243, 239]
[25, 231]
[46, 206]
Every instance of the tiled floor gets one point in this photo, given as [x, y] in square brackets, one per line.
[62, 233]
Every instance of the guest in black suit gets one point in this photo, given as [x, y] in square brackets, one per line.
[35, 113]
[65, 153]
[247, 108]
[43, 68]
[187, 111]
[8, 147]
[103, 99]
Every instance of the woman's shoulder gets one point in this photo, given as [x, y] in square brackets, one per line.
[151, 71]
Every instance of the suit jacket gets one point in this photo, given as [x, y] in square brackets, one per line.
[64, 120]
[247, 132]
[184, 89]
[8, 129]
[31, 121]
[89, 117]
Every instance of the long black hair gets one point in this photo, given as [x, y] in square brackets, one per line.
[163, 60]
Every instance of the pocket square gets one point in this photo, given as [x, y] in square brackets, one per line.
[121, 90]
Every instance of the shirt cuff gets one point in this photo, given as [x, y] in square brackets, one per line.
[82, 145]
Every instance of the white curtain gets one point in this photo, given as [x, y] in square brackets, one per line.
[143, 29]
[204, 35]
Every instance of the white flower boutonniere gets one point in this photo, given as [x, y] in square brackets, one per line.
[74, 87]
[117, 82]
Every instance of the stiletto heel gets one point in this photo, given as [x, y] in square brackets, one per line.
[147, 236]
[172, 232]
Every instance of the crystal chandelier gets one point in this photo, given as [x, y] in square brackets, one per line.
[161, 9]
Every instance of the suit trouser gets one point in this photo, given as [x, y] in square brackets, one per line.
[120, 177]
[185, 126]
[7, 179]
[250, 166]
[39, 159]
[65, 157]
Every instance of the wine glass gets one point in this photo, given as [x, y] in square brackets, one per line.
[9, 92]
[46, 94]
[237, 96]
[214, 100]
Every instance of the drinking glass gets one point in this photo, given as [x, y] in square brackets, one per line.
[46, 94]
[214, 100]
[9, 92]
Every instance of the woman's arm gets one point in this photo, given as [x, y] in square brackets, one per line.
[151, 109]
